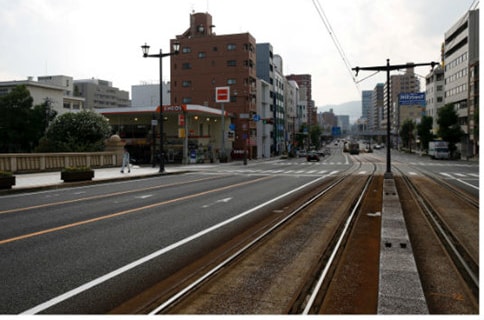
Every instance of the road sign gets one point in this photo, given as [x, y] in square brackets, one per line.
[336, 131]
[409, 99]
[222, 94]
[256, 117]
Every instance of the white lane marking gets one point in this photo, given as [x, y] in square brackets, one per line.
[146, 196]
[71, 293]
[225, 200]
[467, 184]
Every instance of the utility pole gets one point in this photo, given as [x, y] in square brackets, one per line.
[388, 68]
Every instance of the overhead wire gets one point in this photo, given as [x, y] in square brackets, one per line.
[336, 42]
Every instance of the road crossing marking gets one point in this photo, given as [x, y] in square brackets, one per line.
[266, 172]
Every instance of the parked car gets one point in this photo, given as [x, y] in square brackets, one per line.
[312, 156]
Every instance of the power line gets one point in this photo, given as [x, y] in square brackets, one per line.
[341, 52]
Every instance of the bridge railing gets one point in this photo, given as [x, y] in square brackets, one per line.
[37, 162]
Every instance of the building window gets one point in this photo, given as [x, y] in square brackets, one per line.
[186, 50]
[186, 66]
[202, 55]
[231, 63]
[231, 81]
[187, 100]
[231, 46]
[215, 49]
[186, 83]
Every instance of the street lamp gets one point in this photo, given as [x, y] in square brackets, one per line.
[176, 50]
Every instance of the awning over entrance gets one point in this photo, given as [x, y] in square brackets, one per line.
[190, 108]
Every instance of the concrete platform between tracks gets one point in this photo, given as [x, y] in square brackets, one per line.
[400, 289]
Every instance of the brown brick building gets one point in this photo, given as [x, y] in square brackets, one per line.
[207, 61]
[305, 95]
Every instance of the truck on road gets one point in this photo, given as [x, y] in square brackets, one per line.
[439, 150]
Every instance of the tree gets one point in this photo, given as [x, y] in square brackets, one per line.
[315, 134]
[21, 126]
[84, 131]
[15, 108]
[449, 128]
[302, 135]
[406, 133]
[424, 131]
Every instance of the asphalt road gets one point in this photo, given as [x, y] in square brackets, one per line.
[86, 249]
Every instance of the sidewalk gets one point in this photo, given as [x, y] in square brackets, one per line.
[24, 182]
[46, 180]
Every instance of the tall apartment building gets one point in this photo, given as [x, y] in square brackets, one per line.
[434, 95]
[461, 63]
[366, 110]
[207, 61]
[100, 94]
[305, 96]
[377, 106]
[280, 133]
[265, 70]
[264, 127]
[405, 83]
[291, 101]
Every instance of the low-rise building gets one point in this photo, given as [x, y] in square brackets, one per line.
[54, 90]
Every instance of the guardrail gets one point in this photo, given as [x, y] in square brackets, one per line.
[36, 162]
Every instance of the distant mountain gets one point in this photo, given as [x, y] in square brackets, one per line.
[351, 108]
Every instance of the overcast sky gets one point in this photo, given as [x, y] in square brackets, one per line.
[102, 38]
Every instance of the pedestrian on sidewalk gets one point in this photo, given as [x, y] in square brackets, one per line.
[125, 161]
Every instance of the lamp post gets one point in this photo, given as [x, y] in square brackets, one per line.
[388, 68]
[176, 50]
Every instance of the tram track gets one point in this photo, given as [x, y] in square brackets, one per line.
[443, 222]
[285, 258]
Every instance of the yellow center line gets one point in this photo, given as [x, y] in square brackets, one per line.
[80, 223]
[100, 196]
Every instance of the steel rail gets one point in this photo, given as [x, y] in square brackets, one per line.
[462, 194]
[206, 276]
[344, 233]
[463, 260]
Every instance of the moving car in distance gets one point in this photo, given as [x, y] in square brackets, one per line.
[312, 156]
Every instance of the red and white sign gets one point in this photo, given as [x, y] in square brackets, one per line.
[222, 94]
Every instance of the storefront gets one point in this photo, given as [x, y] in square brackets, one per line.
[192, 133]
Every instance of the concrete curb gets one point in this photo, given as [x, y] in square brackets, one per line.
[400, 289]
